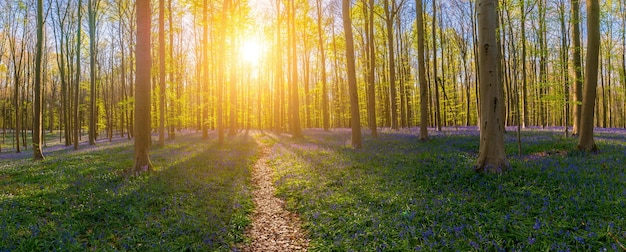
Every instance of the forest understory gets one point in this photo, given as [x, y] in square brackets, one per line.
[397, 193]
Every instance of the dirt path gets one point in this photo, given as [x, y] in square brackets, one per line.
[273, 228]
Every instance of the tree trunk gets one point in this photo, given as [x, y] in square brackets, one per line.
[143, 63]
[435, 77]
[586, 141]
[491, 157]
[577, 68]
[325, 113]
[422, 72]
[76, 97]
[354, 96]
[37, 124]
[92, 72]
[389, 14]
[205, 71]
[162, 72]
[296, 129]
[565, 62]
[371, 81]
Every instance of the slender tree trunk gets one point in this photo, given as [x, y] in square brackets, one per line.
[491, 157]
[162, 72]
[325, 113]
[565, 61]
[524, 71]
[37, 123]
[422, 72]
[204, 121]
[354, 97]
[435, 77]
[371, 82]
[77, 82]
[389, 14]
[143, 63]
[586, 141]
[577, 68]
[92, 72]
[296, 129]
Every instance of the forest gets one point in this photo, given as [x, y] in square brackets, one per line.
[294, 125]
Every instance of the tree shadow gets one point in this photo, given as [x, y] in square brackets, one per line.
[197, 199]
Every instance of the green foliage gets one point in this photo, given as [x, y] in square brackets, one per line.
[402, 194]
[197, 199]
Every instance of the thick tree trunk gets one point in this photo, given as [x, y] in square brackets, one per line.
[143, 63]
[491, 157]
[586, 141]
[354, 96]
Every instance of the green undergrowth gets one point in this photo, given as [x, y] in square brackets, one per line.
[198, 198]
[401, 194]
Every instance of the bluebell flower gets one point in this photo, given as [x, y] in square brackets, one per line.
[537, 224]
[531, 240]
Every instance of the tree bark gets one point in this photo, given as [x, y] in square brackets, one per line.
[389, 14]
[296, 129]
[491, 157]
[371, 81]
[76, 109]
[92, 73]
[162, 72]
[354, 96]
[37, 118]
[586, 141]
[577, 68]
[143, 63]
[422, 72]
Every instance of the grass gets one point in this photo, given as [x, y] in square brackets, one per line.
[397, 194]
[198, 198]
[402, 194]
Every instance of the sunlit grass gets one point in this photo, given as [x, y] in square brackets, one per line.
[197, 199]
[402, 194]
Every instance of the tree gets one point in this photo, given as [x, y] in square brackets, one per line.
[371, 69]
[577, 68]
[296, 130]
[586, 141]
[76, 109]
[422, 72]
[320, 28]
[491, 157]
[354, 97]
[37, 118]
[390, 13]
[162, 72]
[92, 73]
[435, 77]
[143, 63]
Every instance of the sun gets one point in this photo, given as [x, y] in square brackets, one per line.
[251, 51]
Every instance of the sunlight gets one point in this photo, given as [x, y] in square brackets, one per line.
[251, 51]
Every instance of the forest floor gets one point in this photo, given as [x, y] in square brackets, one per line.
[396, 193]
[273, 228]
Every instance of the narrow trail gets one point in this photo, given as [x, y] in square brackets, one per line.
[273, 228]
